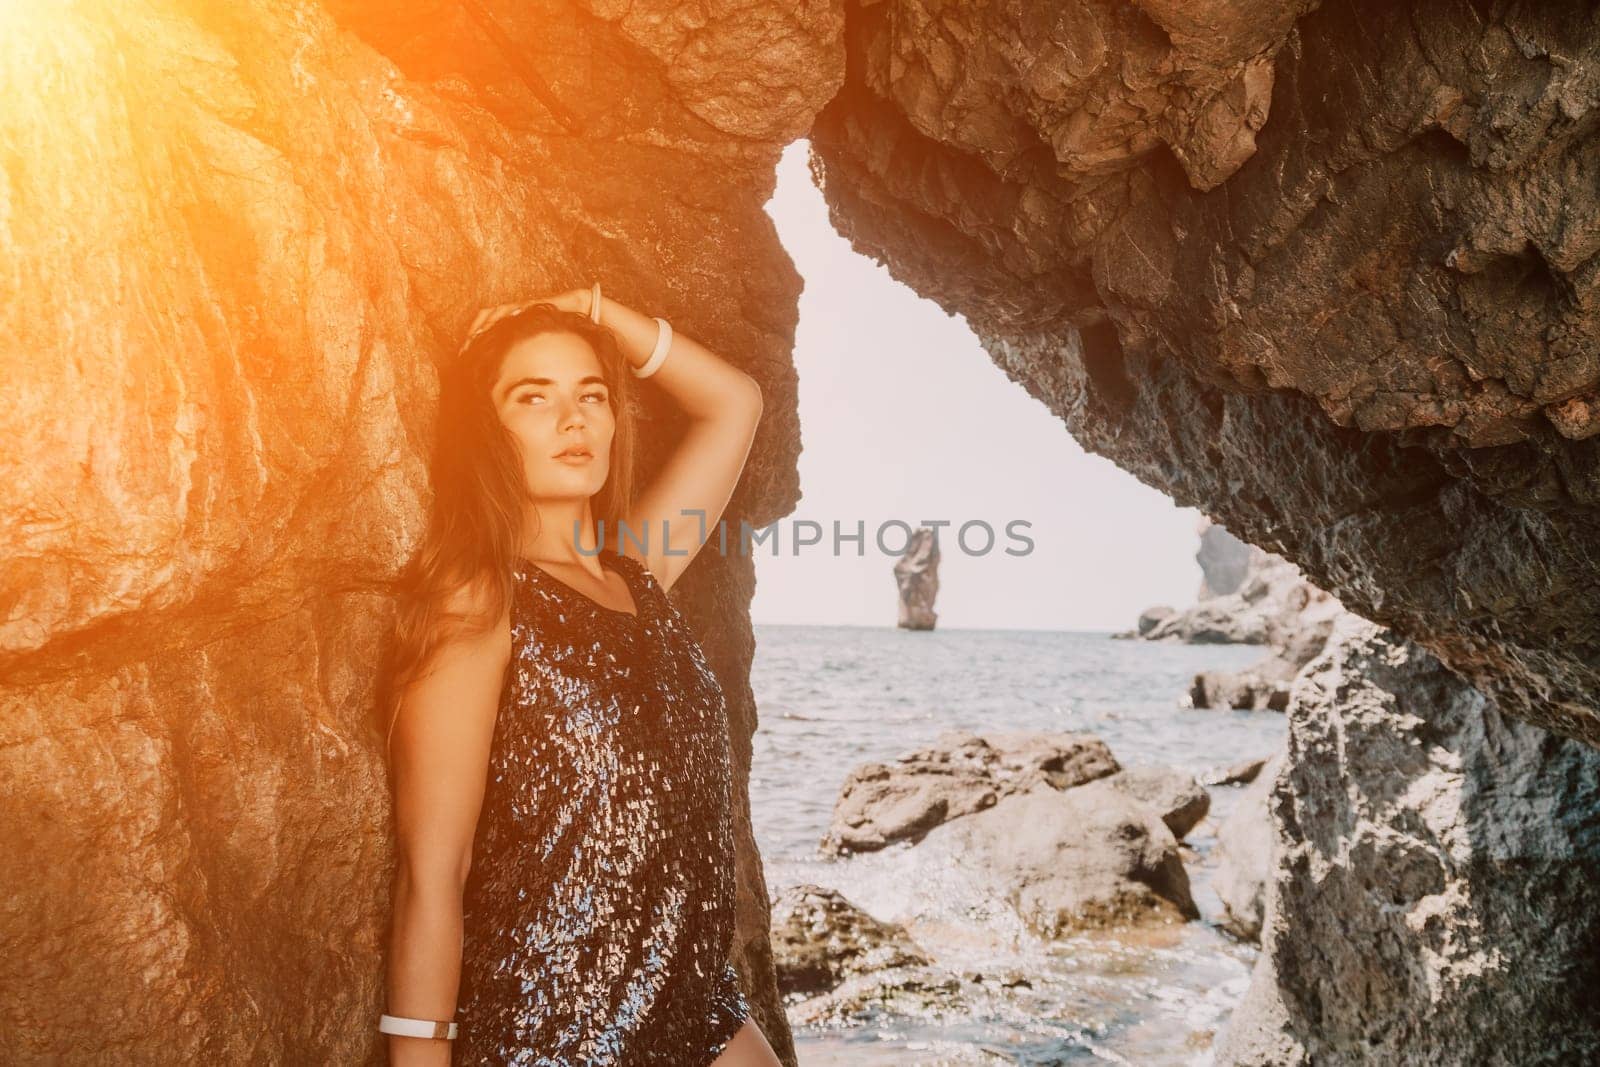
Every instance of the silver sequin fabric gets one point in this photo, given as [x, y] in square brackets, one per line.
[599, 906]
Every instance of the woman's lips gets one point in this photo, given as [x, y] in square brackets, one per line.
[574, 457]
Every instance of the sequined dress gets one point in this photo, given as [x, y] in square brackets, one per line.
[599, 906]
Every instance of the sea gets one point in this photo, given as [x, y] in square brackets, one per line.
[831, 697]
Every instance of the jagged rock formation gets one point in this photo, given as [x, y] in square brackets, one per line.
[1435, 890]
[1274, 605]
[1327, 273]
[916, 577]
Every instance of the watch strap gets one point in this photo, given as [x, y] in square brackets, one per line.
[401, 1026]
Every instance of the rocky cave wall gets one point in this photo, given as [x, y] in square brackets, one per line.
[237, 239]
[1433, 895]
[1326, 272]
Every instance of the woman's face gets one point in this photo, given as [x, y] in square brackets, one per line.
[551, 396]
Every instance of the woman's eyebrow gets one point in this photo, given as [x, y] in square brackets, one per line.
[590, 379]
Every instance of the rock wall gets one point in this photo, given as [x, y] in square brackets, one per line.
[1435, 888]
[1327, 273]
[239, 238]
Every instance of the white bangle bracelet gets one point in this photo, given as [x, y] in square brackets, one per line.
[659, 355]
[403, 1027]
[594, 303]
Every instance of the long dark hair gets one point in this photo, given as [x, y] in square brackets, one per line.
[480, 490]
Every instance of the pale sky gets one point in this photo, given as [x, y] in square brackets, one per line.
[904, 416]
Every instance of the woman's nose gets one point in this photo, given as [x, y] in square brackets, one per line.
[572, 415]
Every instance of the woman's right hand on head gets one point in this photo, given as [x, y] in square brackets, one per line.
[574, 300]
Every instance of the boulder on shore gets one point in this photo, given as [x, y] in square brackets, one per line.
[1176, 796]
[1152, 617]
[1262, 687]
[1075, 860]
[819, 939]
[962, 773]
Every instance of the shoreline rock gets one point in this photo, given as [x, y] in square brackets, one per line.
[819, 939]
[1434, 896]
[1081, 859]
[881, 804]
[1070, 838]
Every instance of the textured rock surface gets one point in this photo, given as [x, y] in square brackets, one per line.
[819, 939]
[237, 240]
[961, 773]
[1435, 894]
[1080, 859]
[1273, 605]
[1327, 274]
[1178, 798]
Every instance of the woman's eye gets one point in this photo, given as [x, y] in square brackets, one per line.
[599, 396]
[530, 397]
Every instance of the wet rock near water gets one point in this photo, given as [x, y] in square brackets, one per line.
[1079, 859]
[909, 993]
[880, 804]
[1264, 687]
[1070, 838]
[1177, 797]
[819, 939]
[837, 965]
[1240, 773]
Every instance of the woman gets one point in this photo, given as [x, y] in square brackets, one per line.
[559, 748]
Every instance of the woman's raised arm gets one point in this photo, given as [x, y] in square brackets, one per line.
[439, 757]
[693, 487]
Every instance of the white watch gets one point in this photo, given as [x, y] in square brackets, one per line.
[403, 1027]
